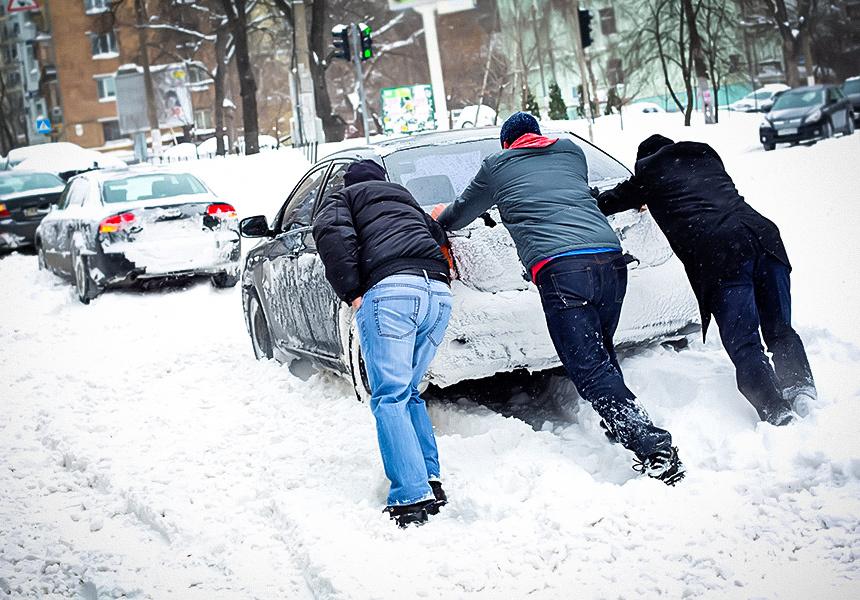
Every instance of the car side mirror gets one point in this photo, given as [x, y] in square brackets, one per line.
[255, 227]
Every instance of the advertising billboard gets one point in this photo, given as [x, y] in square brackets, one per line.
[408, 109]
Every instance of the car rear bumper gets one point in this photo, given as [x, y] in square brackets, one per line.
[771, 135]
[506, 331]
[125, 262]
[17, 234]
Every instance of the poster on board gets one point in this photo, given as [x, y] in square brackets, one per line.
[408, 109]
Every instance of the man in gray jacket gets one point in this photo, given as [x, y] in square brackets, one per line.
[540, 186]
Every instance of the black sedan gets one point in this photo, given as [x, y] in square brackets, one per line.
[114, 228]
[25, 198]
[497, 323]
[851, 88]
[807, 113]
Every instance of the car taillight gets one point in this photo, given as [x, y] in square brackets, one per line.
[116, 222]
[4, 212]
[221, 209]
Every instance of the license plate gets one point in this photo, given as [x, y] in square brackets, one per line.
[787, 131]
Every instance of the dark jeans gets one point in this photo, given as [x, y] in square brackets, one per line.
[582, 297]
[760, 297]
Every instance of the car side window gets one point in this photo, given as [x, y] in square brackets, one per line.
[77, 192]
[334, 183]
[837, 94]
[298, 211]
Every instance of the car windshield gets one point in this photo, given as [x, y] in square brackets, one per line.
[799, 99]
[150, 187]
[439, 173]
[24, 182]
[852, 86]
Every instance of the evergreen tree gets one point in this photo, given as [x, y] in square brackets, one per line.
[557, 107]
[531, 105]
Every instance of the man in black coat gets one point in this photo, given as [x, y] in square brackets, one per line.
[736, 263]
[382, 255]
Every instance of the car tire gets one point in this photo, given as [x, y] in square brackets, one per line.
[826, 131]
[85, 287]
[261, 337]
[849, 124]
[357, 371]
[769, 147]
[225, 280]
[40, 257]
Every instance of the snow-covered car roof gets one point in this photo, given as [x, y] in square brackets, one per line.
[102, 175]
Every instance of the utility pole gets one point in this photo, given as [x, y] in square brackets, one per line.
[355, 37]
[140, 12]
[306, 125]
[434, 60]
[583, 70]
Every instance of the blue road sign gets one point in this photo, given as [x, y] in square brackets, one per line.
[43, 126]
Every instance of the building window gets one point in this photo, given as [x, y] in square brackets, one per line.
[107, 87]
[197, 75]
[614, 73]
[607, 20]
[111, 132]
[96, 6]
[104, 44]
[203, 118]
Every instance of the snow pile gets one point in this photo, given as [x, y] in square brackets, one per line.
[146, 454]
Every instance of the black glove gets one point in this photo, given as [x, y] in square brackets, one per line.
[595, 192]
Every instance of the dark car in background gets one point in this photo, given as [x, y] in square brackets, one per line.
[25, 199]
[120, 227]
[497, 323]
[851, 89]
[807, 113]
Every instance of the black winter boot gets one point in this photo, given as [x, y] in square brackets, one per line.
[409, 514]
[440, 498]
[663, 465]
[610, 435]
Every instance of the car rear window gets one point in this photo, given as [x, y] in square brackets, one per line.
[851, 86]
[150, 187]
[24, 182]
[799, 98]
[440, 173]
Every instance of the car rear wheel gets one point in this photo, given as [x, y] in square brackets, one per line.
[40, 257]
[357, 370]
[826, 131]
[85, 287]
[849, 124]
[225, 280]
[769, 147]
[261, 339]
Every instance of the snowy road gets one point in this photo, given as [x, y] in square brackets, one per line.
[144, 453]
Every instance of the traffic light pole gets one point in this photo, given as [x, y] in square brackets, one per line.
[355, 42]
[583, 70]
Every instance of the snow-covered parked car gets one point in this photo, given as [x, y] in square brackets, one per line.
[497, 323]
[759, 100]
[60, 158]
[118, 227]
[25, 198]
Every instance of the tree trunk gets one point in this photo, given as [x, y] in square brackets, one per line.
[235, 10]
[152, 114]
[220, 72]
[698, 55]
[333, 125]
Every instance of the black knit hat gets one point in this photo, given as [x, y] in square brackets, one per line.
[651, 145]
[363, 170]
[517, 125]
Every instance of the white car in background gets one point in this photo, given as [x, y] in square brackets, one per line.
[644, 107]
[760, 100]
[475, 116]
[60, 157]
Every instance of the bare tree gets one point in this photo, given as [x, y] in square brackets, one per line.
[236, 12]
[793, 21]
[718, 20]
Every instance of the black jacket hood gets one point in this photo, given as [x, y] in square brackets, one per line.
[651, 145]
[363, 170]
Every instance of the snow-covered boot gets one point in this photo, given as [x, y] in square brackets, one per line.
[440, 498]
[779, 416]
[663, 465]
[409, 514]
[607, 431]
[801, 397]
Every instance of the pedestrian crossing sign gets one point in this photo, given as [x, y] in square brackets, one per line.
[43, 125]
[22, 5]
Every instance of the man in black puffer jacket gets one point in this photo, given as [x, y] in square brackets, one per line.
[736, 263]
[382, 255]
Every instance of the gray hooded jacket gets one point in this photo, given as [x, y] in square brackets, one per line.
[543, 198]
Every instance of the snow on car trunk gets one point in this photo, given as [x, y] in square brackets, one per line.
[176, 237]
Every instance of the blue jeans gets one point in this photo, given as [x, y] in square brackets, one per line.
[582, 297]
[760, 297]
[401, 322]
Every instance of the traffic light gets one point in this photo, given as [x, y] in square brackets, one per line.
[340, 39]
[366, 41]
[585, 27]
